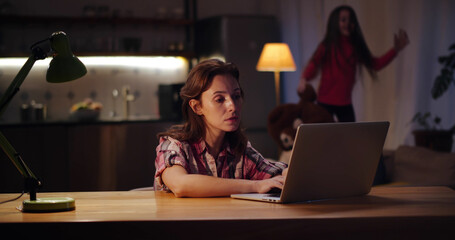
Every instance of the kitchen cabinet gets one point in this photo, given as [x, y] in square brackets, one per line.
[83, 156]
[44, 151]
[104, 34]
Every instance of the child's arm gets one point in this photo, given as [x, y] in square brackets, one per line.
[311, 69]
[302, 84]
[401, 40]
[183, 184]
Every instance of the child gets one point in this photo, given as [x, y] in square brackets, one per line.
[209, 155]
[337, 57]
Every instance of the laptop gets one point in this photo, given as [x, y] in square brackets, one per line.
[329, 161]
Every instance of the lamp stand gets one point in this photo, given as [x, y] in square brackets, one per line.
[31, 181]
[277, 87]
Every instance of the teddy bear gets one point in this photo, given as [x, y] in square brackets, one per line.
[283, 120]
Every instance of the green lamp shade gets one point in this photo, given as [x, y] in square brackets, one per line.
[64, 66]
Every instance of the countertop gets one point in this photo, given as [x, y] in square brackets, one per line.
[101, 121]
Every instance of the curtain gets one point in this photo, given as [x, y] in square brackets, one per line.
[403, 87]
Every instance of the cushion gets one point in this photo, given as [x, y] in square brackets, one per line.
[422, 166]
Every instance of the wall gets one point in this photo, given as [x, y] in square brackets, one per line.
[210, 8]
[141, 74]
[132, 8]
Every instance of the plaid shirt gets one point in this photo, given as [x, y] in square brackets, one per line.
[196, 159]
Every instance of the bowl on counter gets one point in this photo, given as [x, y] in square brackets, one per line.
[85, 115]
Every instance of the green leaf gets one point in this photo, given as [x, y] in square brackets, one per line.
[452, 129]
[441, 84]
[442, 59]
[450, 60]
[437, 120]
[421, 119]
[416, 116]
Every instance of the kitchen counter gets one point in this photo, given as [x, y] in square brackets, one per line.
[104, 155]
[118, 120]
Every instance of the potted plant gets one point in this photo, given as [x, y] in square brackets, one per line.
[432, 135]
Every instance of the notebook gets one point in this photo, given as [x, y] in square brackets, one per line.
[330, 160]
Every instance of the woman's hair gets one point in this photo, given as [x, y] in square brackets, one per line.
[199, 80]
[331, 39]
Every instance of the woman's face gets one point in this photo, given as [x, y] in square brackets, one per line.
[345, 23]
[220, 105]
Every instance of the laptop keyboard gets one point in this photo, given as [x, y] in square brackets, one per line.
[272, 195]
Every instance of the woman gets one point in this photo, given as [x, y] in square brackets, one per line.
[209, 155]
[337, 56]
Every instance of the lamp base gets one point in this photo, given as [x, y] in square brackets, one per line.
[54, 204]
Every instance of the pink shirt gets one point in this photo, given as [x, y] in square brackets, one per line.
[196, 159]
[338, 72]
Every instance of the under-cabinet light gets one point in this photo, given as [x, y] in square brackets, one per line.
[155, 62]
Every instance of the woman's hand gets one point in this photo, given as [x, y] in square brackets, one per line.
[264, 186]
[401, 40]
[182, 184]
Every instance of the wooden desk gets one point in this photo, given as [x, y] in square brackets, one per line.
[407, 212]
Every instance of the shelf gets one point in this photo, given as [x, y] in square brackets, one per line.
[104, 35]
[185, 54]
[93, 20]
[116, 48]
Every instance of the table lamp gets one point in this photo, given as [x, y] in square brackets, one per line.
[64, 67]
[276, 57]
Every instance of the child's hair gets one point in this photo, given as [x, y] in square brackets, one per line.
[199, 80]
[331, 39]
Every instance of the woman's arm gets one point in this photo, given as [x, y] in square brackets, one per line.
[183, 184]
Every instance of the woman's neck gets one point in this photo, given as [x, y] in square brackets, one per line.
[214, 142]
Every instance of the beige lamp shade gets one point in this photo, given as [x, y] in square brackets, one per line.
[276, 57]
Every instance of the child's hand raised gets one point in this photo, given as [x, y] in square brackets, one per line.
[401, 40]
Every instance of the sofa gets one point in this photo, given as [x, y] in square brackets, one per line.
[418, 166]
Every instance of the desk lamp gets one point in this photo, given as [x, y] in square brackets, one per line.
[64, 67]
[276, 57]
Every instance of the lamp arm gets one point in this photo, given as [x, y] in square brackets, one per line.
[31, 182]
[15, 157]
[13, 88]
